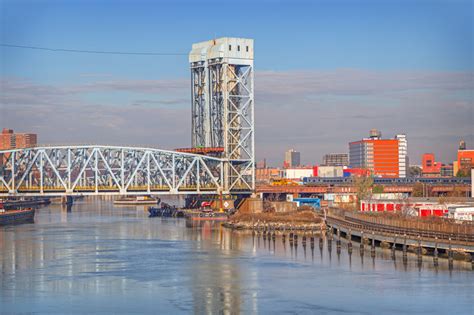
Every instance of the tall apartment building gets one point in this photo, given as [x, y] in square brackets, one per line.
[10, 140]
[383, 157]
[292, 158]
[336, 159]
[402, 155]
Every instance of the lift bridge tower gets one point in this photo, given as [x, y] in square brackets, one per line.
[222, 80]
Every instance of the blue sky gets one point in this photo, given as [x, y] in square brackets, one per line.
[426, 43]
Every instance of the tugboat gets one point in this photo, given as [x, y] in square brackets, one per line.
[16, 216]
[165, 210]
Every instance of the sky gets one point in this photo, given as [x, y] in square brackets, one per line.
[326, 72]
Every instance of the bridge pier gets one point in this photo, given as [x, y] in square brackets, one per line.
[67, 200]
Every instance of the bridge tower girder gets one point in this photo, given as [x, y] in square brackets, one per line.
[224, 115]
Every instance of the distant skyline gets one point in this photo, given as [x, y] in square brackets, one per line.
[326, 72]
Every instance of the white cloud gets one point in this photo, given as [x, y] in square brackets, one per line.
[314, 111]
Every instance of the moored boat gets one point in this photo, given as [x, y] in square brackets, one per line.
[21, 203]
[139, 200]
[16, 216]
[207, 216]
[165, 210]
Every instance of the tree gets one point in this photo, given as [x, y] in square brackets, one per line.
[414, 171]
[363, 185]
[461, 173]
[418, 189]
[377, 189]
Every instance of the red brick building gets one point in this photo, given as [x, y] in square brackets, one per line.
[10, 140]
[465, 161]
[430, 168]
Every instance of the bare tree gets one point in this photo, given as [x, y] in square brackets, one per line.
[363, 185]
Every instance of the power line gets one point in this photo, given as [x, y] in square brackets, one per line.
[94, 51]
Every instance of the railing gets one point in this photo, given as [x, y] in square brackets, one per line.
[463, 232]
[76, 170]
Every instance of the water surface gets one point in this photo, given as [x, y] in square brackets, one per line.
[101, 258]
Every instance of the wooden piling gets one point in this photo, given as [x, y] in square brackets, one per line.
[450, 255]
[394, 247]
[404, 249]
[372, 249]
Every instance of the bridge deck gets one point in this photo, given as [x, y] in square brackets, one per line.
[106, 170]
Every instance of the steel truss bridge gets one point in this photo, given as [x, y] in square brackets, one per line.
[113, 170]
[222, 115]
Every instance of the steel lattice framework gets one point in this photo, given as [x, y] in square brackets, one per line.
[222, 89]
[222, 79]
[102, 170]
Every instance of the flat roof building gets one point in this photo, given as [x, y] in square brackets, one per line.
[336, 159]
[383, 157]
[465, 161]
[292, 158]
[11, 140]
[430, 168]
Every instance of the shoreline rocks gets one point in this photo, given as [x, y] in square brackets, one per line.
[273, 226]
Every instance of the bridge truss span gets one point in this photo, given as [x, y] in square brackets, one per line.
[102, 170]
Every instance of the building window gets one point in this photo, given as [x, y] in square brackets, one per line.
[238, 47]
[230, 47]
[247, 48]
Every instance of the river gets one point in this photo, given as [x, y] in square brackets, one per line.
[111, 259]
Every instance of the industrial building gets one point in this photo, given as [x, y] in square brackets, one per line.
[465, 160]
[422, 207]
[267, 174]
[336, 159]
[446, 170]
[292, 158]
[329, 171]
[298, 173]
[431, 168]
[383, 157]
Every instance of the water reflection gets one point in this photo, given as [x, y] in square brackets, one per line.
[118, 256]
[216, 283]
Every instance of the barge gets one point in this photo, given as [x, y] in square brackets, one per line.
[207, 216]
[139, 200]
[21, 203]
[16, 216]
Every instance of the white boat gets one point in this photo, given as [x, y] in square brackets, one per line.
[138, 200]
